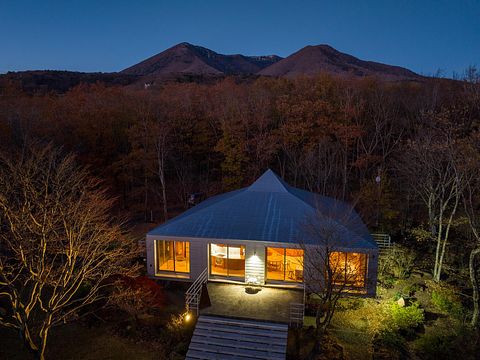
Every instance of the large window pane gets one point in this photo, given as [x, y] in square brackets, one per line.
[182, 256]
[227, 260]
[166, 255]
[294, 265]
[356, 269]
[173, 256]
[348, 268]
[218, 259]
[236, 261]
[275, 263]
[337, 267]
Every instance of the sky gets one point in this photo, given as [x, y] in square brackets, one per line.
[103, 35]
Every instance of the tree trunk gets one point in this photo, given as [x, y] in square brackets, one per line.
[29, 343]
[445, 240]
[438, 248]
[161, 175]
[474, 282]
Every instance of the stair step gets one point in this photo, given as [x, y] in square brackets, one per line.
[233, 339]
[236, 336]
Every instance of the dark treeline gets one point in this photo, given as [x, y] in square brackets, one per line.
[338, 137]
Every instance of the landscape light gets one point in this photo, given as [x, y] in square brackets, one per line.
[188, 316]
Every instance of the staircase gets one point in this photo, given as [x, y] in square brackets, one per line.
[194, 293]
[227, 339]
[383, 241]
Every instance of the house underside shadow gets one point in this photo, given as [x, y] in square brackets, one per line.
[268, 304]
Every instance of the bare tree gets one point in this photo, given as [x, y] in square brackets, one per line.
[432, 167]
[160, 137]
[59, 246]
[471, 202]
[332, 270]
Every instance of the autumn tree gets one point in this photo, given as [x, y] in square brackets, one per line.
[60, 247]
[431, 166]
[331, 273]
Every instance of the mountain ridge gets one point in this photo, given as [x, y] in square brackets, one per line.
[313, 59]
[185, 58]
[189, 59]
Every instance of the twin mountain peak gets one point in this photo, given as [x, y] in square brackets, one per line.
[188, 59]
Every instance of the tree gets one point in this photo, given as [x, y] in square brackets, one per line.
[60, 247]
[471, 202]
[330, 272]
[431, 165]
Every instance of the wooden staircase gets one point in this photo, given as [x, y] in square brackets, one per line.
[225, 338]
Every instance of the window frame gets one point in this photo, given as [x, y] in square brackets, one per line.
[364, 273]
[284, 263]
[227, 259]
[187, 245]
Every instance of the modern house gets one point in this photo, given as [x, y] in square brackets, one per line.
[268, 234]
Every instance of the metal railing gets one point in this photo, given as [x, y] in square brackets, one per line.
[384, 241]
[297, 312]
[194, 292]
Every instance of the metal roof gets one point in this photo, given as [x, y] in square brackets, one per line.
[271, 210]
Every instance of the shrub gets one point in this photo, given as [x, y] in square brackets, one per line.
[406, 320]
[398, 262]
[445, 298]
[393, 343]
[448, 341]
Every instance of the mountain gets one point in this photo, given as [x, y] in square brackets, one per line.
[312, 60]
[186, 58]
[187, 62]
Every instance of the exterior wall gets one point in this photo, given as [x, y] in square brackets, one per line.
[372, 271]
[255, 261]
[149, 247]
[313, 280]
[255, 253]
[198, 256]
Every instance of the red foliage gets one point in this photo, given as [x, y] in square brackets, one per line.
[154, 294]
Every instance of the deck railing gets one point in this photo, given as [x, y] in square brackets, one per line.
[384, 241]
[297, 312]
[194, 292]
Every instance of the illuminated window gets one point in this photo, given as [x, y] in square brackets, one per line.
[227, 260]
[173, 256]
[284, 264]
[348, 268]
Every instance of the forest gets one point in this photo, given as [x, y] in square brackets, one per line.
[406, 154]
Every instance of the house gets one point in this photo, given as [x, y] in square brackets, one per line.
[266, 234]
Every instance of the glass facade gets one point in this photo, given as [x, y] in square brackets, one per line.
[173, 256]
[227, 260]
[284, 264]
[349, 269]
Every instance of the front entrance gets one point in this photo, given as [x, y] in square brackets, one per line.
[227, 261]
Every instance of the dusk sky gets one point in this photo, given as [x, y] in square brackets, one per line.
[423, 36]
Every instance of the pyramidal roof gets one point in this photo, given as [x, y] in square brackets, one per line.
[269, 210]
[269, 182]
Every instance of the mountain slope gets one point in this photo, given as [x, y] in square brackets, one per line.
[323, 58]
[186, 58]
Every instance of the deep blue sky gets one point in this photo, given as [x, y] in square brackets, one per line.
[104, 35]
